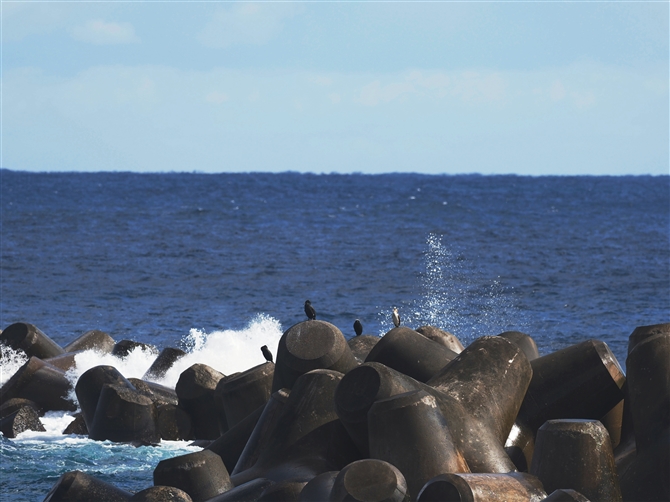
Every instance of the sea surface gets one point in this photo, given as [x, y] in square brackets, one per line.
[220, 264]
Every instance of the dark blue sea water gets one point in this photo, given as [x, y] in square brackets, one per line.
[150, 256]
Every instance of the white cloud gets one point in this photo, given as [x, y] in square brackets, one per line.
[245, 23]
[98, 32]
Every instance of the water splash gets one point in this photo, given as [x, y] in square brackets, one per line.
[227, 351]
[10, 362]
[456, 296]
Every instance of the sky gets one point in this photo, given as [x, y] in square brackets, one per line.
[515, 87]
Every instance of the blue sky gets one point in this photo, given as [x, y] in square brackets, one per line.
[433, 87]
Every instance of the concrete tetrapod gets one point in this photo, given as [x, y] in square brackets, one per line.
[161, 494]
[318, 488]
[92, 340]
[489, 378]
[64, 361]
[195, 389]
[410, 432]
[524, 342]
[125, 347]
[29, 339]
[89, 386]
[442, 337]
[124, 415]
[77, 486]
[307, 437]
[173, 423]
[21, 420]
[262, 432]
[286, 491]
[229, 446]
[411, 353]
[164, 361]
[11, 405]
[566, 495]
[159, 394]
[512, 487]
[583, 381]
[362, 345]
[41, 383]
[201, 474]
[241, 394]
[247, 492]
[645, 476]
[308, 346]
[369, 480]
[371, 382]
[576, 454]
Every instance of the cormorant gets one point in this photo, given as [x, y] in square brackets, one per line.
[309, 310]
[358, 327]
[396, 317]
[266, 352]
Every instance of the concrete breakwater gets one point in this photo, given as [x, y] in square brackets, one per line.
[411, 416]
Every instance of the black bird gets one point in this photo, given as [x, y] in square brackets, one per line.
[396, 317]
[358, 327]
[309, 310]
[266, 352]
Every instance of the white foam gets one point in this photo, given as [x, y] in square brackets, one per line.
[228, 351]
[10, 363]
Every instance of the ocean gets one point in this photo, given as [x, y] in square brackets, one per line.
[221, 264]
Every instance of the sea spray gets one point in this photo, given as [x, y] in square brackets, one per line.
[10, 362]
[456, 296]
[227, 351]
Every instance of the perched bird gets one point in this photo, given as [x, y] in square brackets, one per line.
[309, 310]
[396, 317]
[266, 353]
[358, 327]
